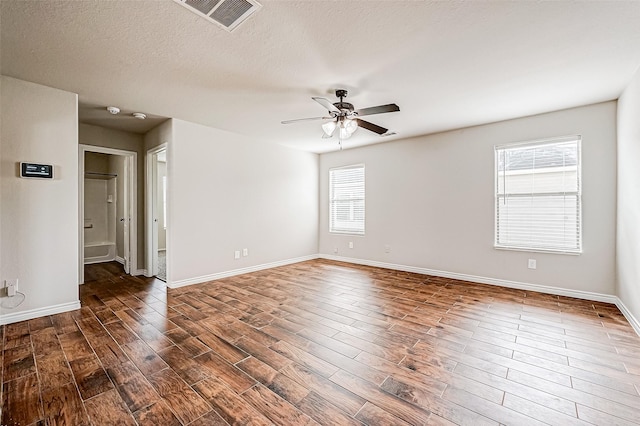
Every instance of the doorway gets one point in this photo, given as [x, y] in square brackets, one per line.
[107, 207]
[157, 219]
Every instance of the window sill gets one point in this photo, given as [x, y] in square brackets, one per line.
[537, 250]
[355, 234]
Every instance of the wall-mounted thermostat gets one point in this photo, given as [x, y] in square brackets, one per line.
[32, 170]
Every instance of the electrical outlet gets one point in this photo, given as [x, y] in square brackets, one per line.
[245, 252]
[11, 287]
[350, 244]
[335, 250]
[387, 248]
[532, 264]
[236, 254]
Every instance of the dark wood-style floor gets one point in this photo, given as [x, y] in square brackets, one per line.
[320, 342]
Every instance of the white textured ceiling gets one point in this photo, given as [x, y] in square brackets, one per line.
[446, 64]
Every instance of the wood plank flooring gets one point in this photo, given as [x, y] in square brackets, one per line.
[320, 342]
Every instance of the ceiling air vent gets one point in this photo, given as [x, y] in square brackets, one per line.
[226, 13]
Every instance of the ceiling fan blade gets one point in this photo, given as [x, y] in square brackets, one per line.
[380, 109]
[327, 104]
[306, 119]
[372, 127]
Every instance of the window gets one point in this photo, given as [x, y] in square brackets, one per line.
[346, 200]
[538, 196]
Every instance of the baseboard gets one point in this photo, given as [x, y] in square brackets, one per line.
[628, 315]
[120, 260]
[558, 291]
[38, 312]
[233, 272]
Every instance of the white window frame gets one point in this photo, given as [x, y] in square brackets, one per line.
[359, 229]
[499, 197]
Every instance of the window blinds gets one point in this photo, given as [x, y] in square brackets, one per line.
[538, 196]
[346, 200]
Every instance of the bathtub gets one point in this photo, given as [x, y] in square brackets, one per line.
[101, 251]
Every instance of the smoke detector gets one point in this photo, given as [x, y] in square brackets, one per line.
[139, 115]
[113, 110]
[226, 13]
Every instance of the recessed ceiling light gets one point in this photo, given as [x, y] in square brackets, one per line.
[139, 115]
[113, 110]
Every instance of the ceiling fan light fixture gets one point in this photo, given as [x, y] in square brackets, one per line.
[329, 128]
[347, 126]
[351, 125]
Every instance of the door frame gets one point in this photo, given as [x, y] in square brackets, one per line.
[151, 195]
[131, 205]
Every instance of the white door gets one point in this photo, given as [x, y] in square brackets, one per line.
[156, 214]
[127, 215]
[155, 186]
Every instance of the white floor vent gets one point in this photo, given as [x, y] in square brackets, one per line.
[226, 13]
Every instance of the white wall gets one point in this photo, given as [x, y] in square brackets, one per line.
[227, 193]
[431, 199]
[158, 135]
[39, 220]
[628, 233]
[97, 214]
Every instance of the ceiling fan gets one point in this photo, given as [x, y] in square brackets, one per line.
[344, 117]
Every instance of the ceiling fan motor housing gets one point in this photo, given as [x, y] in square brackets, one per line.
[342, 106]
